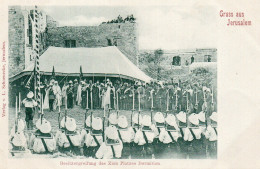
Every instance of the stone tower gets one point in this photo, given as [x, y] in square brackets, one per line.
[21, 34]
[16, 40]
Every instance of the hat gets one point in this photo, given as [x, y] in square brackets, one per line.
[70, 124]
[111, 132]
[30, 95]
[208, 90]
[122, 121]
[75, 80]
[88, 120]
[20, 125]
[146, 121]
[39, 123]
[193, 118]
[159, 118]
[52, 81]
[204, 88]
[45, 126]
[97, 123]
[112, 118]
[19, 139]
[171, 120]
[214, 117]
[181, 116]
[70, 81]
[62, 122]
[135, 118]
[41, 85]
[201, 116]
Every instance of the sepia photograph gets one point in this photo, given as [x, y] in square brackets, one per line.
[112, 82]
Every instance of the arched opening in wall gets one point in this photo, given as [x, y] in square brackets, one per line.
[109, 42]
[70, 43]
[176, 61]
[115, 42]
[207, 58]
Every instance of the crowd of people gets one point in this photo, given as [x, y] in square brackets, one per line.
[183, 123]
[125, 96]
[120, 19]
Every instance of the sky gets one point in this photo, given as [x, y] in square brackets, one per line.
[165, 27]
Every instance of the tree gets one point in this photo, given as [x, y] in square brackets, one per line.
[157, 61]
[152, 63]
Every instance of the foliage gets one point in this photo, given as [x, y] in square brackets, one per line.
[200, 70]
[153, 60]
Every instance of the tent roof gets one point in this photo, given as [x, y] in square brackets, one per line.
[104, 61]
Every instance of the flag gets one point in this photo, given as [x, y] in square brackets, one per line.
[66, 79]
[53, 73]
[80, 74]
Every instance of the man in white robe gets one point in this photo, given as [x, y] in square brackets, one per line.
[57, 93]
[79, 99]
[106, 100]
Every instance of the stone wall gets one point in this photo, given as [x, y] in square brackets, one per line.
[172, 71]
[200, 55]
[123, 35]
[16, 40]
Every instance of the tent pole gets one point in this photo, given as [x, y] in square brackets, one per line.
[34, 80]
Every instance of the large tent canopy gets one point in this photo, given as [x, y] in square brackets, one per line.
[104, 61]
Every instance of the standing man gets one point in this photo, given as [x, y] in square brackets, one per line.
[129, 94]
[95, 95]
[57, 93]
[75, 90]
[79, 98]
[42, 90]
[64, 93]
[70, 95]
[90, 94]
[29, 104]
[51, 96]
[84, 95]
